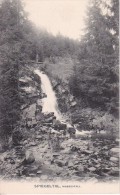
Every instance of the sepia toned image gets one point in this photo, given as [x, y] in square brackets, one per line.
[59, 96]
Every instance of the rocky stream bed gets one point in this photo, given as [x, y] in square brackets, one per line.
[49, 151]
[68, 159]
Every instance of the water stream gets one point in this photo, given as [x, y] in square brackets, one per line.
[50, 101]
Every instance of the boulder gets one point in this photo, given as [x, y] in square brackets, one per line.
[43, 95]
[38, 108]
[30, 169]
[36, 78]
[115, 152]
[71, 98]
[105, 148]
[80, 168]
[114, 171]
[57, 122]
[71, 130]
[43, 130]
[49, 115]
[34, 168]
[29, 157]
[70, 164]
[55, 84]
[98, 165]
[39, 102]
[73, 104]
[92, 169]
[34, 122]
[87, 152]
[59, 87]
[74, 148]
[32, 174]
[60, 163]
[39, 137]
[49, 120]
[106, 169]
[32, 144]
[63, 132]
[62, 126]
[114, 159]
[25, 142]
[63, 90]
[54, 131]
[117, 141]
[29, 113]
[59, 126]
[39, 116]
[39, 172]
[55, 154]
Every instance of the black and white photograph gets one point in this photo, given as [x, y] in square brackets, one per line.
[59, 96]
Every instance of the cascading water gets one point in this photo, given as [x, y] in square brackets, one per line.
[50, 101]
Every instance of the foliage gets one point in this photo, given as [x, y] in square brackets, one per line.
[48, 46]
[12, 56]
[106, 122]
[62, 67]
[95, 77]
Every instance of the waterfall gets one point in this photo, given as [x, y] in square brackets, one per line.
[50, 101]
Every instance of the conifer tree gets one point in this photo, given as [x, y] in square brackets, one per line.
[11, 37]
[96, 74]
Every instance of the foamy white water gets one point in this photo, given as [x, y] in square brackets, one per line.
[49, 102]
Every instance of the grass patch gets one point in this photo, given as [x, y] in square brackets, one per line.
[61, 68]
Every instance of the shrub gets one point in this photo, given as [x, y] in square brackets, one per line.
[106, 122]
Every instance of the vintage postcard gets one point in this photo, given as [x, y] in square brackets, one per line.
[59, 97]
